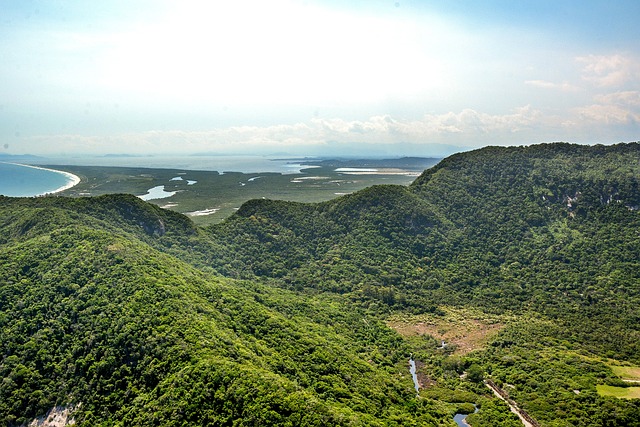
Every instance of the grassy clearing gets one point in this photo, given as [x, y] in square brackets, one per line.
[466, 330]
[619, 392]
[629, 373]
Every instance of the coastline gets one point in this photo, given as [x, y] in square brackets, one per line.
[72, 180]
[209, 196]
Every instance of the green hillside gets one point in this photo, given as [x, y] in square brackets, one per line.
[549, 231]
[94, 316]
[301, 314]
[549, 228]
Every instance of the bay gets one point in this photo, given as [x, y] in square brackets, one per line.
[18, 180]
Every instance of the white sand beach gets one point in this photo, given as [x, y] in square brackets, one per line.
[72, 180]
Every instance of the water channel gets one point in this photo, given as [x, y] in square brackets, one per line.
[461, 419]
[412, 369]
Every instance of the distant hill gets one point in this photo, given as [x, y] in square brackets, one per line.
[4, 157]
[124, 155]
[411, 163]
[128, 314]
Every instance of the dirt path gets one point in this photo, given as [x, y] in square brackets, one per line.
[526, 419]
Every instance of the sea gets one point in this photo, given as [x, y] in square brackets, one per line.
[17, 180]
[25, 181]
[244, 164]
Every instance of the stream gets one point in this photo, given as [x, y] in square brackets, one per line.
[461, 419]
[412, 369]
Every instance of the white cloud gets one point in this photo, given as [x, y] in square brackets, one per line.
[616, 108]
[614, 70]
[467, 122]
[564, 86]
[607, 114]
[630, 98]
[600, 100]
[463, 128]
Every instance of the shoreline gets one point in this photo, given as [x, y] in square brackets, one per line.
[72, 180]
[210, 189]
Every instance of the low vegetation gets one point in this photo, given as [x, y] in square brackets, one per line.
[619, 392]
[208, 197]
[455, 331]
[627, 373]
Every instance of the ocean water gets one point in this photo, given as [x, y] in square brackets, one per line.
[24, 181]
[245, 164]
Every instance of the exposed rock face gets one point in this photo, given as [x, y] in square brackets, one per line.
[59, 416]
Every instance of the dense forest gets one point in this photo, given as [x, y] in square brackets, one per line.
[288, 313]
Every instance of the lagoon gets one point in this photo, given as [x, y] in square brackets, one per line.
[157, 193]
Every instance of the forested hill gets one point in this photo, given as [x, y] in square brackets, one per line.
[97, 317]
[547, 230]
[128, 314]
[525, 178]
[549, 227]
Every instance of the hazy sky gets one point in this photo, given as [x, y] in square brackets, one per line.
[315, 77]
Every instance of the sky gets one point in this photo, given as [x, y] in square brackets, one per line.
[315, 77]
